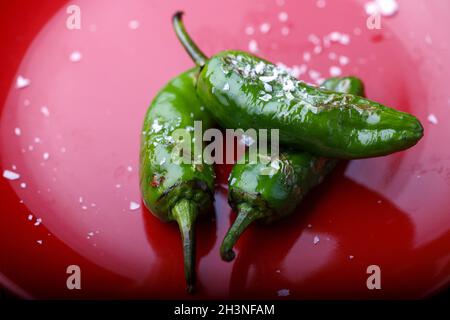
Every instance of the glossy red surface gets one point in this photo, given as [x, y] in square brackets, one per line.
[392, 211]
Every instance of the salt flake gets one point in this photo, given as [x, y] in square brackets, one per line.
[335, 71]
[133, 24]
[253, 46]
[249, 30]
[75, 56]
[134, 205]
[432, 119]
[45, 111]
[10, 175]
[265, 27]
[283, 293]
[22, 82]
[283, 16]
[316, 239]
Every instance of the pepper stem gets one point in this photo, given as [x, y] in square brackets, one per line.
[189, 45]
[246, 215]
[185, 213]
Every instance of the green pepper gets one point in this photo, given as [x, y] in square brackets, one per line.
[271, 190]
[174, 190]
[244, 91]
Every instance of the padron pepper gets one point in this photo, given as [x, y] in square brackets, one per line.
[244, 91]
[173, 189]
[267, 191]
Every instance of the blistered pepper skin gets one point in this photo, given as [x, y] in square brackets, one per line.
[330, 124]
[244, 91]
[272, 190]
[171, 189]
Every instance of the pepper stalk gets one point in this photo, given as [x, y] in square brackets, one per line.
[246, 215]
[189, 45]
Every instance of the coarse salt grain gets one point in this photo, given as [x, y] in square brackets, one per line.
[371, 8]
[313, 39]
[39, 241]
[320, 4]
[249, 30]
[265, 27]
[133, 24]
[345, 39]
[45, 156]
[335, 36]
[317, 49]
[23, 185]
[283, 292]
[306, 56]
[283, 16]
[247, 140]
[253, 46]
[134, 205]
[432, 119]
[267, 87]
[314, 74]
[343, 60]
[285, 31]
[10, 175]
[316, 239]
[259, 68]
[387, 7]
[22, 82]
[17, 131]
[30, 217]
[335, 71]
[75, 56]
[156, 127]
[45, 111]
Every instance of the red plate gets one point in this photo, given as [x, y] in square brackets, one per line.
[73, 136]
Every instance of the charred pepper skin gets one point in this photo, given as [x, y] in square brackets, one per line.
[244, 91]
[172, 190]
[268, 192]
